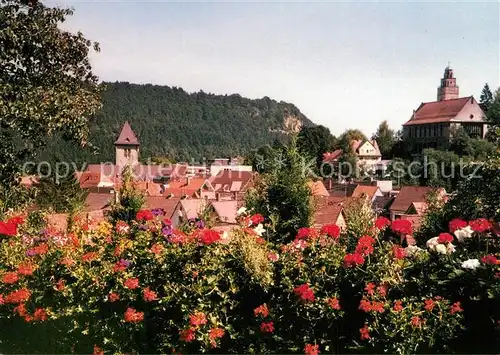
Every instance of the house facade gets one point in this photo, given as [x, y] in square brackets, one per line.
[433, 124]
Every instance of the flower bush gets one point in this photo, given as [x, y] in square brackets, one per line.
[145, 287]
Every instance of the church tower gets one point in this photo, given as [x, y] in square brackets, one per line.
[448, 89]
[127, 148]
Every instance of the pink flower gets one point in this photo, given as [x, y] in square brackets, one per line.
[273, 257]
[398, 306]
[267, 327]
[455, 308]
[10, 278]
[334, 303]
[187, 335]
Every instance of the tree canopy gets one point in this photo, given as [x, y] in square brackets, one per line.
[314, 141]
[385, 138]
[486, 98]
[46, 83]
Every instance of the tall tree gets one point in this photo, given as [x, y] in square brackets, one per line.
[315, 141]
[385, 138]
[486, 98]
[348, 136]
[493, 118]
[46, 82]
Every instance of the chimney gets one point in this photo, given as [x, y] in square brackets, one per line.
[330, 184]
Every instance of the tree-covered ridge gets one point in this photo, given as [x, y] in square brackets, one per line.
[172, 122]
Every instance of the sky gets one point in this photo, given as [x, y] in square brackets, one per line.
[343, 64]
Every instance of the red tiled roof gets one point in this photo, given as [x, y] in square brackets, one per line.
[329, 210]
[229, 180]
[333, 156]
[98, 201]
[438, 111]
[368, 190]
[226, 210]
[93, 179]
[317, 188]
[410, 194]
[169, 205]
[127, 136]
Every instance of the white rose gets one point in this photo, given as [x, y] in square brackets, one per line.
[441, 249]
[259, 230]
[471, 264]
[463, 233]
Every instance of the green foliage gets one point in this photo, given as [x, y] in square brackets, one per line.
[46, 83]
[60, 194]
[181, 126]
[314, 141]
[282, 193]
[348, 136]
[129, 200]
[493, 117]
[14, 198]
[486, 98]
[385, 138]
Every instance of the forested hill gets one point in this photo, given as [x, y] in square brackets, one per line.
[171, 122]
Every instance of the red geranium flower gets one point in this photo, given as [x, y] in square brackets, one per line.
[149, 296]
[382, 290]
[456, 224]
[10, 277]
[399, 252]
[398, 306]
[60, 285]
[25, 269]
[132, 316]
[304, 292]
[401, 226]
[332, 230]
[455, 308]
[445, 238]
[370, 288]
[365, 305]
[489, 260]
[273, 257]
[310, 349]
[334, 303]
[353, 260]
[18, 296]
[40, 315]
[197, 319]
[8, 228]
[216, 333]
[113, 297]
[21, 310]
[256, 219]
[144, 215]
[262, 310]
[381, 223]
[480, 225]
[365, 245]
[429, 305]
[305, 233]
[90, 256]
[41, 249]
[187, 335]
[364, 333]
[131, 283]
[157, 249]
[416, 322]
[267, 327]
[208, 236]
[98, 350]
[378, 307]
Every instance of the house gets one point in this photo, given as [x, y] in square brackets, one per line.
[90, 179]
[330, 210]
[370, 192]
[433, 124]
[229, 185]
[318, 189]
[170, 206]
[192, 208]
[367, 153]
[413, 199]
[188, 187]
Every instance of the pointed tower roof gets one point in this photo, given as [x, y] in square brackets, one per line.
[127, 136]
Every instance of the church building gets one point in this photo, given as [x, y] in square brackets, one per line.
[433, 124]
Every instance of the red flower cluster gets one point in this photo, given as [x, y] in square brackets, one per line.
[455, 308]
[367, 306]
[402, 226]
[332, 230]
[120, 265]
[262, 310]
[208, 236]
[310, 349]
[370, 288]
[365, 245]
[444, 238]
[456, 224]
[398, 252]
[113, 297]
[144, 215]
[40, 315]
[267, 327]
[304, 292]
[306, 233]
[60, 285]
[398, 306]
[18, 296]
[256, 219]
[489, 260]
[187, 335]
[131, 283]
[40, 249]
[416, 322]
[215, 333]
[480, 225]
[382, 223]
[149, 296]
[273, 257]
[98, 351]
[429, 305]
[9, 228]
[364, 333]
[10, 277]
[157, 249]
[197, 319]
[132, 316]
[25, 269]
[90, 256]
[334, 303]
[353, 260]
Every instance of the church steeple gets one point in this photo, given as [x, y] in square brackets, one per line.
[448, 89]
[127, 148]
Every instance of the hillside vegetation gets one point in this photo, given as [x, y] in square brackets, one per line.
[172, 122]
